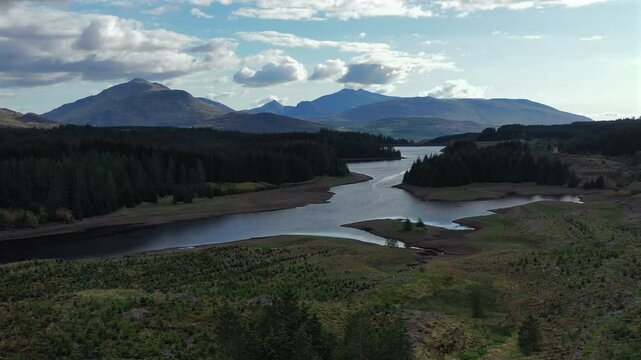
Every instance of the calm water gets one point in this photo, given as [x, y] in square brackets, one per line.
[374, 199]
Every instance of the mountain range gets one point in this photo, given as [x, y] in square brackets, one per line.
[487, 112]
[143, 103]
[14, 119]
[327, 105]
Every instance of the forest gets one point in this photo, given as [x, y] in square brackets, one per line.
[77, 172]
[613, 138]
[463, 162]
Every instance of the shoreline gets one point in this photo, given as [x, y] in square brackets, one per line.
[361, 160]
[435, 240]
[487, 191]
[148, 215]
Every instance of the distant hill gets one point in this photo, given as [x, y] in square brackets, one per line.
[261, 123]
[273, 107]
[325, 105]
[217, 104]
[492, 112]
[415, 128]
[137, 103]
[13, 119]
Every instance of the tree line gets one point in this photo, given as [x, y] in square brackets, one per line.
[463, 162]
[77, 172]
[613, 138]
[287, 329]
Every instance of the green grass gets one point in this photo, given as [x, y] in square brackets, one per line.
[577, 268]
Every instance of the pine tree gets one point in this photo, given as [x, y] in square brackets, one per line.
[529, 337]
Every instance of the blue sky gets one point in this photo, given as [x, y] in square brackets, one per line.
[582, 56]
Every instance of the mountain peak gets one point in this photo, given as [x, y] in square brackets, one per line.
[139, 81]
[137, 103]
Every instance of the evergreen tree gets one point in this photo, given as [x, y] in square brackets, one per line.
[529, 337]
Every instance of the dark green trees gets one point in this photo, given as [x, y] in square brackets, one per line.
[286, 329]
[94, 171]
[529, 337]
[363, 340]
[462, 163]
[407, 225]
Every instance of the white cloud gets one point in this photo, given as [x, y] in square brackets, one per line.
[345, 10]
[592, 38]
[269, 99]
[371, 74]
[159, 10]
[201, 2]
[376, 63]
[456, 89]
[276, 38]
[517, 37]
[40, 46]
[275, 68]
[464, 7]
[434, 42]
[331, 70]
[320, 10]
[200, 14]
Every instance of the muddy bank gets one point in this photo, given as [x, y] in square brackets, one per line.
[439, 240]
[487, 191]
[144, 215]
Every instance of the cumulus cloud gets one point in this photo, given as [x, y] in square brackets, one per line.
[200, 14]
[375, 63]
[330, 70]
[370, 74]
[275, 68]
[390, 66]
[40, 46]
[456, 89]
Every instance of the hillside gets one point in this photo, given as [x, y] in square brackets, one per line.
[137, 103]
[414, 128]
[272, 107]
[492, 112]
[261, 123]
[217, 104]
[325, 105]
[13, 119]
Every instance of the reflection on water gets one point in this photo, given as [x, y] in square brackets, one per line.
[374, 199]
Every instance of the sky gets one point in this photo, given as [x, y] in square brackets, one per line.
[581, 56]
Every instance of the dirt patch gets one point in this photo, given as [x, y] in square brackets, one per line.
[434, 240]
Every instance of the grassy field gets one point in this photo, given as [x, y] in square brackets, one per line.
[576, 268]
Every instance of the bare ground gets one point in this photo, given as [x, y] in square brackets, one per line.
[439, 240]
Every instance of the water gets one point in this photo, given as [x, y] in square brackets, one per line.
[375, 199]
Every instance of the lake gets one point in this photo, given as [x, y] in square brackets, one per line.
[374, 199]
